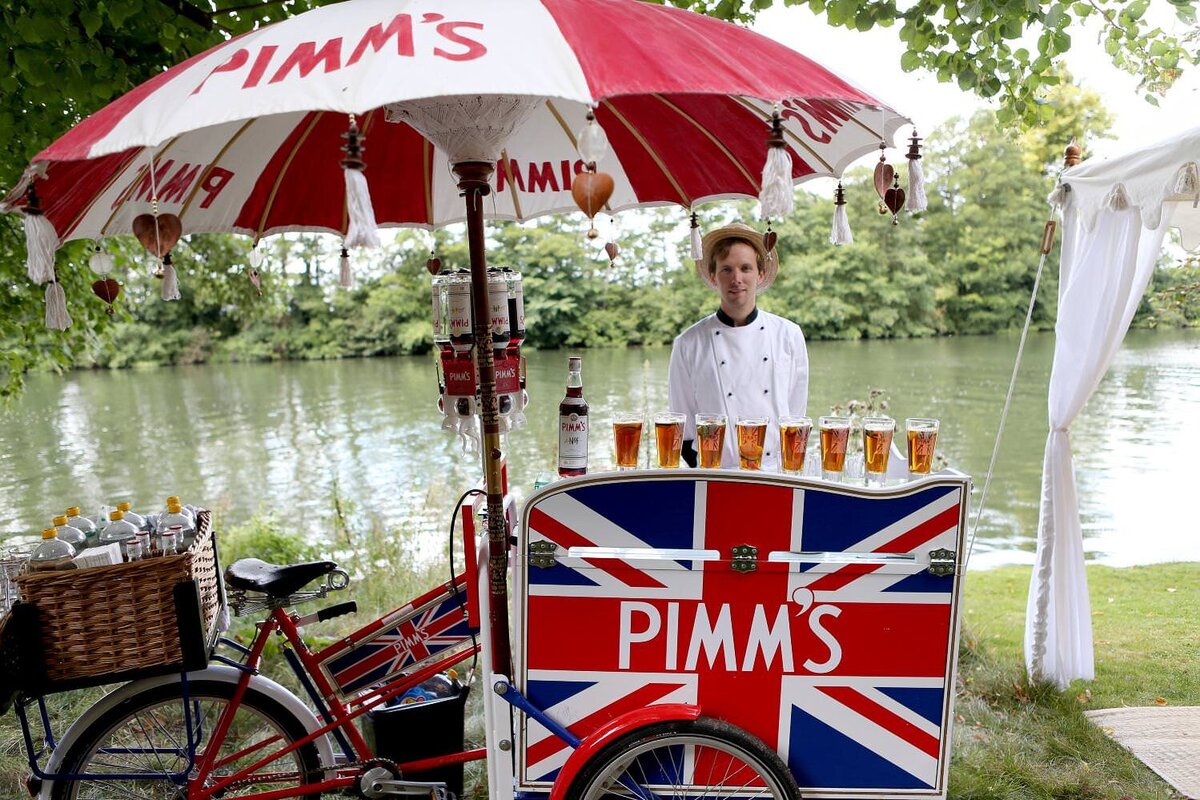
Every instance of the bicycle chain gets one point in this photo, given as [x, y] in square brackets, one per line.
[362, 765]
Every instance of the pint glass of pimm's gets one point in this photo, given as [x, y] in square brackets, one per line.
[922, 438]
[668, 437]
[877, 446]
[751, 435]
[793, 442]
[627, 437]
[835, 436]
[710, 439]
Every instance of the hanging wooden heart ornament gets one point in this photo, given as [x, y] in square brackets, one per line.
[107, 290]
[434, 265]
[158, 237]
[613, 250]
[591, 191]
[769, 239]
[884, 175]
[894, 199]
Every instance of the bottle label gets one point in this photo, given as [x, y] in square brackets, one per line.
[460, 310]
[498, 309]
[572, 441]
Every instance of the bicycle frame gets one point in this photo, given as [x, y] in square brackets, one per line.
[338, 715]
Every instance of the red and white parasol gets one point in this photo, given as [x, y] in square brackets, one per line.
[468, 108]
[245, 137]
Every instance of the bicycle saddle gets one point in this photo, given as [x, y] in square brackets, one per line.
[256, 575]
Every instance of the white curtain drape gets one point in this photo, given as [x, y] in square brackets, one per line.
[1104, 272]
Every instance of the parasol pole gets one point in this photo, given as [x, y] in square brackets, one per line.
[473, 181]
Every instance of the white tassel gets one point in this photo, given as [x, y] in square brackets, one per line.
[916, 186]
[1185, 182]
[1058, 198]
[697, 245]
[1116, 200]
[361, 231]
[345, 276]
[170, 284]
[57, 318]
[40, 243]
[840, 232]
[776, 199]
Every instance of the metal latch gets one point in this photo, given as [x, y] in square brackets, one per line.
[745, 558]
[542, 553]
[941, 562]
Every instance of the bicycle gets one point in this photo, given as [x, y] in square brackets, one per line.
[227, 730]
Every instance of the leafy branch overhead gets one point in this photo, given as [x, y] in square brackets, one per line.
[1010, 50]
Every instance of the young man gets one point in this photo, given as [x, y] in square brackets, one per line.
[740, 361]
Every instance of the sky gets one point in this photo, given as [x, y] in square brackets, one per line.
[871, 60]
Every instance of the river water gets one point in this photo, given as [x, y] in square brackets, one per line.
[292, 437]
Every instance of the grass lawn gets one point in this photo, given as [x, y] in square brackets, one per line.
[1011, 739]
[1014, 740]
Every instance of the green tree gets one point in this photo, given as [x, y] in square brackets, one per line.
[980, 44]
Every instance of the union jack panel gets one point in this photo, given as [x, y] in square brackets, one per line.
[432, 626]
[836, 649]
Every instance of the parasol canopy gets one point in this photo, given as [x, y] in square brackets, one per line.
[246, 137]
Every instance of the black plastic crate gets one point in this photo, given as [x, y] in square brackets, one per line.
[423, 730]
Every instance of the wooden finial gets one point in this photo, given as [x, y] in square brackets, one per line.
[1073, 154]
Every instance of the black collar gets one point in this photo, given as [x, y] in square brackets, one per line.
[727, 320]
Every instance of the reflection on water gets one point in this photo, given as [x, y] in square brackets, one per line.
[291, 437]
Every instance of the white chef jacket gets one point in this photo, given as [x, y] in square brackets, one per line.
[758, 369]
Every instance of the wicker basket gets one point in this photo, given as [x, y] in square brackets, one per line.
[123, 619]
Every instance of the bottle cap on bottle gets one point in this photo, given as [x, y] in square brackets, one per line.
[49, 533]
[172, 499]
[59, 520]
[124, 506]
[116, 514]
[73, 511]
[574, 362]
[174, 508]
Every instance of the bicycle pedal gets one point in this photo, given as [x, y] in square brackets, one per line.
[378, 782]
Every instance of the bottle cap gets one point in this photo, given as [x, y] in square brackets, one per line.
[59, 520]
[73, 511]
[574, 362]
[174, 508]
[116, 514]
[124, 506]
[49, 533]
[172, 499]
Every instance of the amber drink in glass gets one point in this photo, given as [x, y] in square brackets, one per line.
[668, 436]
[835, 436]
[751, 436]
[922, 438]
[627, 437]
[710, 439]
[793, 442]
[877, 446]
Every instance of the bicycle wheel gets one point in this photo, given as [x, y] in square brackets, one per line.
[705, 758]
[144, 739]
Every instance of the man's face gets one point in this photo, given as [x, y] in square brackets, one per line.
[737, 279]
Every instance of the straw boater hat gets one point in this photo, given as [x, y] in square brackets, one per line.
[740, 233]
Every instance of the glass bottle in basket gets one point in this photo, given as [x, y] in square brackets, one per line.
[52, 554]
[76, 519]
[117, 531]
[170, 539]
[69, 533]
